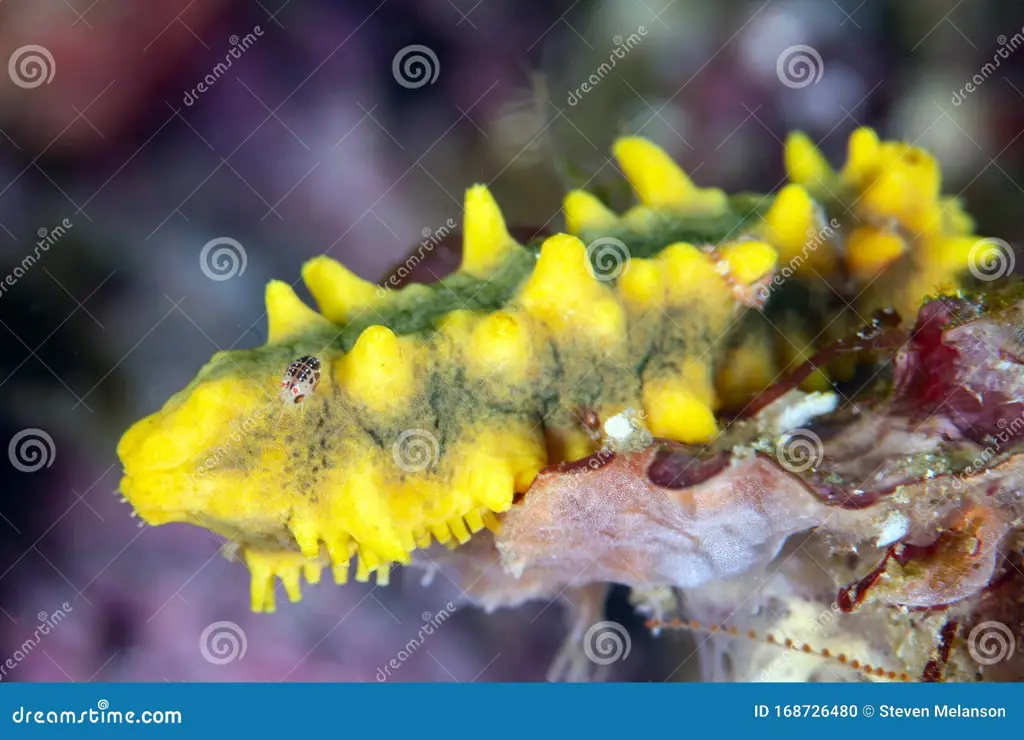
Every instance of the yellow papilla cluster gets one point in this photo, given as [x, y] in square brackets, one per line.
[795, 225]
[693, 290]
[793, 229]
[380, 370]
[907, 241]
[370, 510]
[564, 294]
[661, 186]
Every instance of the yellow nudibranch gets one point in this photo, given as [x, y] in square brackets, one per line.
[436, 404]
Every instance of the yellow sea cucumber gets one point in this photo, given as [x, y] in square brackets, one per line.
[436, 404]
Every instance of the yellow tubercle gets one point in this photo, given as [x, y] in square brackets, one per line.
[791, 216]
[363, 569]
[795, 227]
[676, 413]
[805, 164]
[642, 285]
[746, 370]
[312, 570]
[458, 528]
[951, 255]
[500, 344]
[486, 242]
[869, 250]
[339, 292]
[365, 505]
[379, 370]
[307, 535]
[441, 533]
[474, 521]
[748, 261]
[659, 182]
[690, 274]
[905, 187]
[287, 315]
[340, 570]
[266, 565]
[863, 152]
[585, 212]
[492, 465]
[564, 294]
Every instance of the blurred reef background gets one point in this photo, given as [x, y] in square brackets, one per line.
[120, 155]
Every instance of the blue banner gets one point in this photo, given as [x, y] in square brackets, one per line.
[501, 710]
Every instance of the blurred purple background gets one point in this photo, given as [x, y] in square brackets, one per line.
[310, 143]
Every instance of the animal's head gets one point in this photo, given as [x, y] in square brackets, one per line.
[351, 431]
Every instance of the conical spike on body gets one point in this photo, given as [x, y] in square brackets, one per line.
[340, 293]
[486, 242]
[287, 315]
